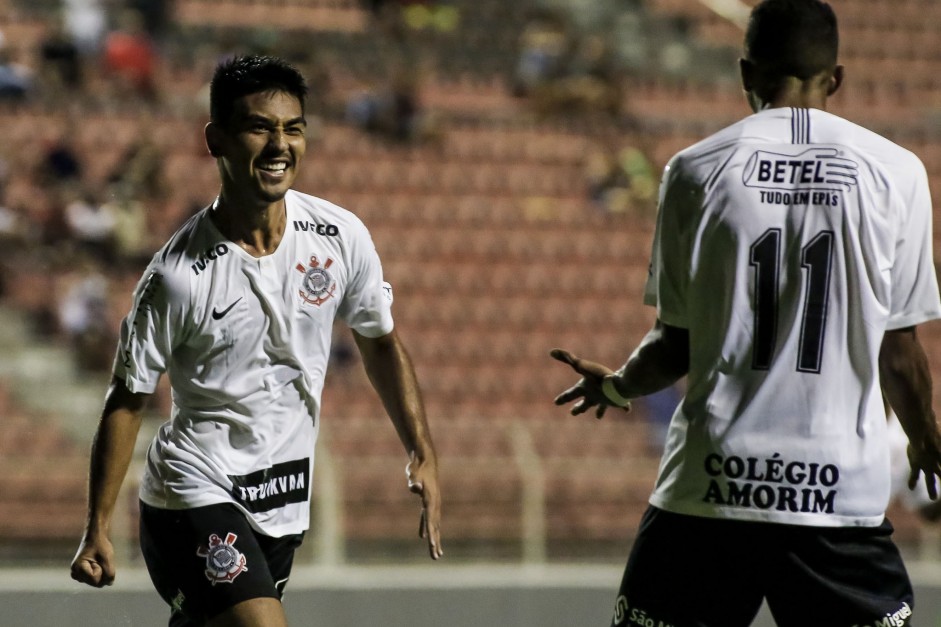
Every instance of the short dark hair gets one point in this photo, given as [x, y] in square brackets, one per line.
[252, 74]
[792, 37]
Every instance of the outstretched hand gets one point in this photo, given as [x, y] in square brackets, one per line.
[423, 481]
[94, 562]
[925, 458]
[588, 390]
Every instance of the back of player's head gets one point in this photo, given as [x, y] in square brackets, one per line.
[792, 37]
[251, 74]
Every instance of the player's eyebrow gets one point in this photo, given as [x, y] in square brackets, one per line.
[258, 118]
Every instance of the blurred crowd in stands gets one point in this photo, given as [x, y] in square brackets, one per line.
[92, 219]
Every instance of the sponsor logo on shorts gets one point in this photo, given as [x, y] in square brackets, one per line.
[626, 615]
[274, 487]
[223, 561]
[895, 619]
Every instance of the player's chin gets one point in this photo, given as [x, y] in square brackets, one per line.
[274, 193]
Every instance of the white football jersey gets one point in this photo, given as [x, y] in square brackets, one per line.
[787, 244]
[245, 343]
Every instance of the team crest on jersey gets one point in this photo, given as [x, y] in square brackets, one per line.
[318, 285]
[223, 561]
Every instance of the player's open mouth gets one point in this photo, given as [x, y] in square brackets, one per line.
[273, 168]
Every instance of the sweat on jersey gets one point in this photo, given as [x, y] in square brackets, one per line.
[787, 244]
[245, 343]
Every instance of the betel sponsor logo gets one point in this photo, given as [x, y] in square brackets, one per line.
[270, 488]
[330, 230]
[626, 615]
[223, 561]
[210, 255]
[897, 618]
[821, 169]
[771, 483]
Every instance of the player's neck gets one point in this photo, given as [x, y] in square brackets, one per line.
[792, 92]
[258, 230]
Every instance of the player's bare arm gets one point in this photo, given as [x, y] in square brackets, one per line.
[392, 375]
[906, 383]
[660, 359]
[111, 454]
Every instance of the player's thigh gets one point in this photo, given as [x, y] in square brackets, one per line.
[279, 554]
[687, 571]
[262, 612]
[840, 577]
[204, 560]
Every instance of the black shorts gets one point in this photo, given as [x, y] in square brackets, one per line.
[688, 571]
[206, 559]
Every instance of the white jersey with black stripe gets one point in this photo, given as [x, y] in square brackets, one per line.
[245, 343]
[787, 244]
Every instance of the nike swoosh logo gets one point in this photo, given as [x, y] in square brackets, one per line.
[218, 315]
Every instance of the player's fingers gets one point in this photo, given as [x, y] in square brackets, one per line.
[574, 392]
[582, 406]
[423, 525]
[434, 544]
[931, 482]
[107, 573]
[431, 526]
[577, 363]
[564, 356]
[87, 571]
[431, 519]
[913, 478]
[599, 411]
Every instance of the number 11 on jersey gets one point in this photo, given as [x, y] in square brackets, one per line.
[816, 261]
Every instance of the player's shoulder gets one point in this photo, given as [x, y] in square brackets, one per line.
[196, 243]
[871, 147]
[309, 213]
[698, 160]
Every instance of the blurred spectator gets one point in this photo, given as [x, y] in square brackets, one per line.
[155, 16]
[545, 44]
[562, 72]
[130, 58]
[658, 409]
[139, 171]
[591, 81]
[60, 65]
[621, 181]
[83, 317]
[438, 16]
[131, 245]
[394, 111]
[91, 225]
[15, 79]
[60, 162]
[387, 16]
[86, 24]
[12, 227]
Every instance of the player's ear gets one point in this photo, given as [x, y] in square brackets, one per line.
[747, 71]
[836, 80]
[214, 139]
